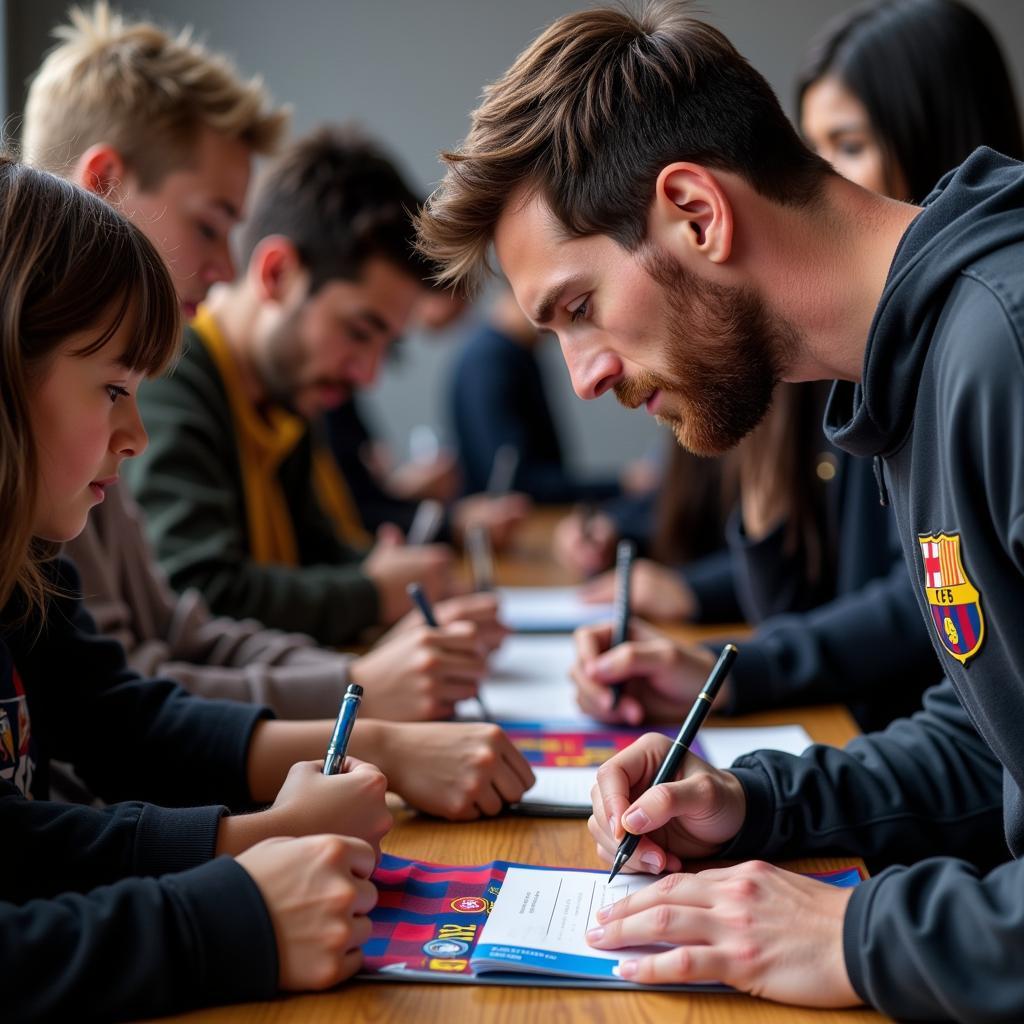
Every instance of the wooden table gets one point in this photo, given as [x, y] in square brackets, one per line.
[540, 841]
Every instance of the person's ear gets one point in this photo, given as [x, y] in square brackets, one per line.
[275, 270]
[100, 169]
[692, 211]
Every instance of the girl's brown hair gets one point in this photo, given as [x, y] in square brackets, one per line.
[68, 262]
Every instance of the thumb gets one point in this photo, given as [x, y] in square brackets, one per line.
[690, 799]
[633, 658]
[389, 536]
[353, 764]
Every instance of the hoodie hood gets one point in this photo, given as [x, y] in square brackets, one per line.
[974, 210]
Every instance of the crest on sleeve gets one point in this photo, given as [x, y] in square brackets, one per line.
[953, 599]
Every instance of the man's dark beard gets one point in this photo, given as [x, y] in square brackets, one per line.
[278, 360]
[725, 355]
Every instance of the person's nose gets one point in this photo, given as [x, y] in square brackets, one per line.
[221, 266]
[593, 371]
[130, 437]
[365, 368]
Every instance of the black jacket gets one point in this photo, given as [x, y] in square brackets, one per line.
[865, 645]
[120, 912]
[941, 404]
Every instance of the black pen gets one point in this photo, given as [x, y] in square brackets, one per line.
[681, 744]
[420, 599]
[338, 746]
[624, 555]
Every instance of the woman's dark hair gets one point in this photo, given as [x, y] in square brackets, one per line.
[932, 79]
[69, 263]
[935, 87]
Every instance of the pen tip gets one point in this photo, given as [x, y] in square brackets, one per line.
[616, 868]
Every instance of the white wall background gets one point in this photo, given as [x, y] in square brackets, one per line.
[411, 70]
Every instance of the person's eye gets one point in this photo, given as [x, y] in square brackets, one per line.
[851, 148]
[580, 312]
[354, 332]
[115, 391]
[208, 231]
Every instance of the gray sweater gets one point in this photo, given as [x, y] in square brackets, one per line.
[177, 637]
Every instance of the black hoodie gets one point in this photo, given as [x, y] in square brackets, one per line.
[941, 406]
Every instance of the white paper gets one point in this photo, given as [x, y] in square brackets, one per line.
[723, 746]
[548, 609]
[560, 787]
[570, 787]
[529, 682]
[540, 920]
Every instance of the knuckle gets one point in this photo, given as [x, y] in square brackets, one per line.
[653, 741]
[746, 956]
[484, 757]
[331, 848]
[661, 923]
[338, 901]
[667, 885]
[744, 889]
[337, 939]
[681, 962]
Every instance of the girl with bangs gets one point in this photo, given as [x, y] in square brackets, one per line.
[129, 910]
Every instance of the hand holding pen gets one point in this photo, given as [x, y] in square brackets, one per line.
[422, 602]
[667, 820]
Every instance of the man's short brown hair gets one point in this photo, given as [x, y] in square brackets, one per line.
[589, 115]
[338, 197]
[143, 91]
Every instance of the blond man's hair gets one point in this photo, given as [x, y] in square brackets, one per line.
[142, 90]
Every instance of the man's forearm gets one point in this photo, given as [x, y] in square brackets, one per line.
[276, 746]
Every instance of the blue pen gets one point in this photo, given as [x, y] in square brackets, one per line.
[415, 591]
[420, 599]
[338, 746]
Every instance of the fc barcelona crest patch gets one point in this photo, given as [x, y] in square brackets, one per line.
[954, 601]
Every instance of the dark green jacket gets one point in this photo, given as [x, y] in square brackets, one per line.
[189, 483]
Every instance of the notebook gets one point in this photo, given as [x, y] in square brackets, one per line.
[502, 924]
[565, 761]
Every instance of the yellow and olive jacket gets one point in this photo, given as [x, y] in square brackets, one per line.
[231, 504]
